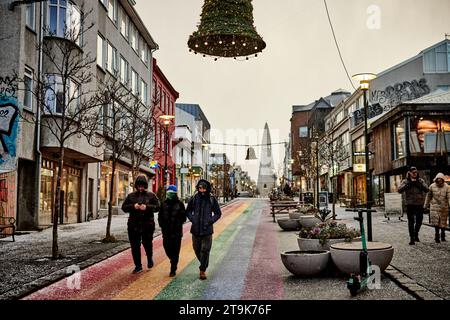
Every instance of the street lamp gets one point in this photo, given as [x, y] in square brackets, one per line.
[364, 80]
[167, 120]
[205, 146]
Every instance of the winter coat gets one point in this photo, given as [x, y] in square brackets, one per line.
[439, 201]
[414, 191]
[203, 211]
[171, 218]
[139, 217]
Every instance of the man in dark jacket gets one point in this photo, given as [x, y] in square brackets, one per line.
[171, 218]
[203, 211]
[141, 205]
[414, 190]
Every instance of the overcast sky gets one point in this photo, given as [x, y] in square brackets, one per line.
[300, 63]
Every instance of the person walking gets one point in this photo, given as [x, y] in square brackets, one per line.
[414, 189]
[141, 205]
[203, 211]
[439, 201]
[171, 218]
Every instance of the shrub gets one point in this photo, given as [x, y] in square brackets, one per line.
[330, 230]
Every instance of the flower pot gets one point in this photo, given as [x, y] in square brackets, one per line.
[295, 215]
[309, 221]
[346, 255]
[289, 224]
[305, 263]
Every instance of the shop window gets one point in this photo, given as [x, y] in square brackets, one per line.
[429, 135]
[399, 140]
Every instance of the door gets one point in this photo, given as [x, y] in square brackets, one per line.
[91, 199]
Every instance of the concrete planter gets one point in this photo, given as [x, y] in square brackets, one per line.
[305, 263]
[346, 255]
[309, 221]
[289, 224]
[295, 215]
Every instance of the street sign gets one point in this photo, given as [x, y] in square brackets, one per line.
[357, 167]
[323, 199]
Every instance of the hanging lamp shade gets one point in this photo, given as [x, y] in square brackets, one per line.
[226, 30]
[251, 155]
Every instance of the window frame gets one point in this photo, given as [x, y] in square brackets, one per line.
[30, 16]
[28, 74]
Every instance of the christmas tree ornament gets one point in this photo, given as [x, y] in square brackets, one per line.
[226, 30]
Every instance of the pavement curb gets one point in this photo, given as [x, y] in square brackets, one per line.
[410, 285]
[45, 281]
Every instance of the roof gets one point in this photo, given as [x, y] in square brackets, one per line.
[421, 53]
[330, 101]
[436, 97]
[158, 72]
[196, 111]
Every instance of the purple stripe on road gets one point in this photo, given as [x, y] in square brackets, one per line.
[264, 279]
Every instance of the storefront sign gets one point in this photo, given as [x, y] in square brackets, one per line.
[357, 167]
[323, 199]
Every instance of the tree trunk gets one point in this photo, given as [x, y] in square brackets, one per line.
[55, 249]
[111, 195]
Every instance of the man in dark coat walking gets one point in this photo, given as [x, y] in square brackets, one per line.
[141, 205]
[203, 211]
[414, 190]
[171, 218]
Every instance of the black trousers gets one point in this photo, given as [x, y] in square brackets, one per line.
[172, 245]
[415, 218]
[141, 232]
[202, 247]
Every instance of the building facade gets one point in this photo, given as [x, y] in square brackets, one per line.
[120, 47]
[164, 97]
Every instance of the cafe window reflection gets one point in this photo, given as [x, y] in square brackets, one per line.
[429, 136]
[399, 138]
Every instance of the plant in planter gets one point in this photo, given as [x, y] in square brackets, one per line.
[324, 234]
[307, 209]
[324, 215]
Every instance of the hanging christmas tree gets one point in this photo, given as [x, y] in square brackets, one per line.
[226, 29]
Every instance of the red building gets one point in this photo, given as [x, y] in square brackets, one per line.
[164, 97]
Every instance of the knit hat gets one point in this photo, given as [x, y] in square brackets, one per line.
[172, 188]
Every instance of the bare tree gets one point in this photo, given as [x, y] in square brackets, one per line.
[63, 95]
[114, 121]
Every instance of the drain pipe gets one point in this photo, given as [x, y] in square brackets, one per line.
[37, 134]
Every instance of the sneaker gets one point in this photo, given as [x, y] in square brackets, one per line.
[150, 264]
[202, 275]
[137, 270]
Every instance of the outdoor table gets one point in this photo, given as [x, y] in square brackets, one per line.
[277, 208]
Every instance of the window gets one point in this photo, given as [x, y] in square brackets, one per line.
[134, 82]
[108, 115]
[64, 20]
[144, 92]
[124, 23]
[303, 132]
[399, 140]
[112, 10]
[100, 51]
[134, 33]
[111, 64]
[30, 15]
[28, 94]
[55, 102]
[359, 148]
[437, 60]
[124, 67]
[429, 135]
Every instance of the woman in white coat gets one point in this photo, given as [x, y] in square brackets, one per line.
[438, 198]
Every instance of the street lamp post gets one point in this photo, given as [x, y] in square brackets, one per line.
[167, 120]
[364, 80]
[205, 146]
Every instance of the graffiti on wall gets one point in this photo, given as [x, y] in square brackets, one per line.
[400, 92]
[9, 123]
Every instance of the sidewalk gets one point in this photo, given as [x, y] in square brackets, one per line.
[26, 265]
[422, 269]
